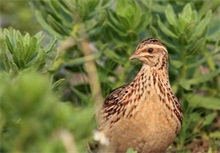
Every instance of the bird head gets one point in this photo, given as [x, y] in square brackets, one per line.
[151, 52]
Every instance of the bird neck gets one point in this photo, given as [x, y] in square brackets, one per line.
[148, 72]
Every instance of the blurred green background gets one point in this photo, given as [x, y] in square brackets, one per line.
[19, 15]
[59, 59]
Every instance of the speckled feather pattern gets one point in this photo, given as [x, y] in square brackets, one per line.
[144, 114]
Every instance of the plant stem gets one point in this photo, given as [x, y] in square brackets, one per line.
[90, 68]
[123, 75]
[125, 70]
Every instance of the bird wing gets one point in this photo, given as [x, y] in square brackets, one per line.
[114, 101]
[115, 97]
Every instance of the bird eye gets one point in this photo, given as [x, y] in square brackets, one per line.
[150, 50]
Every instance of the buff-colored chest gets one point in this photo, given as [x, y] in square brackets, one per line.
[147, 127]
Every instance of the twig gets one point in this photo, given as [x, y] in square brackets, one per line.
[90, 67]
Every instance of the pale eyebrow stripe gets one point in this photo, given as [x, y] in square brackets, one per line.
[154, 46]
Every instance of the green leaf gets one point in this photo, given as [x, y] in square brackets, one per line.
[185, 84]
[81, 95]
[57, 83]
[51, 45]
[200, 28]
[114, 23]
[209, 118]
[31, 50]
[165, 29]
[187, 13]
[4, 61]
[214, 30]
[39, 37]
[196, 46]
[154, 6]
[215, 135]
[125, 24]
[9, 45]
[210, 150]
[130, 150]
[39, 60]
[203, 60]
[46, 25]
[203, 78]
[171, 16]
[185, 19]
[18, 57]
[176, 64]
[57, 26]
[22, 52]
[128, 9]
[13, 68]
[203, 101]
[144, 21]
[112, 55]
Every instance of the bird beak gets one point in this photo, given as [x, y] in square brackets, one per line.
[135, 55]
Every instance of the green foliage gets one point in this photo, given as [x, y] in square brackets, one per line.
[19, 15]
[32, 118]
[126, 21]
[96, 38]
[60, 18]
[21, 52]
[130, 150]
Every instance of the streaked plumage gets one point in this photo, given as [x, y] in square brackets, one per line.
[144, 114]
